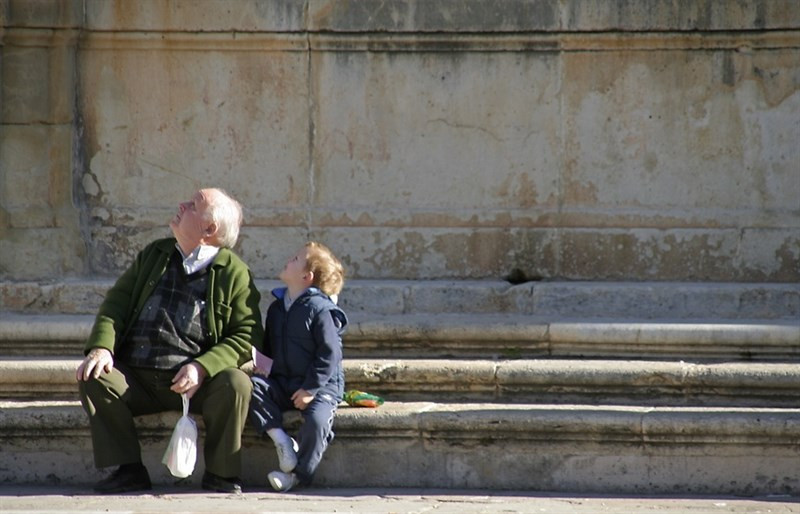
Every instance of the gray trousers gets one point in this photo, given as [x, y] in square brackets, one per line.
[114, 399]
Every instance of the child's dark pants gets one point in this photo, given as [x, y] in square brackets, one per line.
[267, 405]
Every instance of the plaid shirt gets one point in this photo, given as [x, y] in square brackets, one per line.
[170, 329]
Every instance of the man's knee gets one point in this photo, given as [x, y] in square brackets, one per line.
[232, 381]
[92, 389]
[227, 399]
[85, 394]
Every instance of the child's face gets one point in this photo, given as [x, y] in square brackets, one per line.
[294, 274]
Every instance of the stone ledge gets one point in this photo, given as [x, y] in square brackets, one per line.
[26, 420]
[513, 381]
[630, 300]
[482, 335]
[397, 42]
[514, 336]
[533, 447]
[597, 382]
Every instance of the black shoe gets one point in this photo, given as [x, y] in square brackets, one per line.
[212, 482]
[127, 478]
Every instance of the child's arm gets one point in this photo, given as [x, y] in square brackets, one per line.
[328, 355]
[301, 399]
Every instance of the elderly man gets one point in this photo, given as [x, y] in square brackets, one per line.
[181, 319]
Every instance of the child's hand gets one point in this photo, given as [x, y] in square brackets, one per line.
[301, 398]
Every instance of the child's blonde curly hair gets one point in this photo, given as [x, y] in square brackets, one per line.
[327, 269]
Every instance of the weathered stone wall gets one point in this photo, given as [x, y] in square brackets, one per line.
[581, 139]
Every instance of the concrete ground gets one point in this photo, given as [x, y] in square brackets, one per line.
[60, 499]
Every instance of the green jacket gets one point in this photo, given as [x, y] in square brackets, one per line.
[233, 315]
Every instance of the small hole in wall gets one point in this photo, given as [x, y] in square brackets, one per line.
[518, 276]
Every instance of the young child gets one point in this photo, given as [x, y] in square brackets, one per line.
[303, 339]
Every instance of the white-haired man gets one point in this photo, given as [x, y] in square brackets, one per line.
[180, 320]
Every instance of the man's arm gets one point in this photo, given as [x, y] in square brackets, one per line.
[109, 322]
[239, 319]
[111, 316]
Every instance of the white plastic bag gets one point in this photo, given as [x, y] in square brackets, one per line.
[181, 453]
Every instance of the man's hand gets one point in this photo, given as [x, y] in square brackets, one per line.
[98, 360]
[301, 398]
[189, 379]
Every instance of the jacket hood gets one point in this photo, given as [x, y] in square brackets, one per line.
[313, 294]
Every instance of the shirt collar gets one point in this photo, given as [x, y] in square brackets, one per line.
[199, 259]
[287, 301]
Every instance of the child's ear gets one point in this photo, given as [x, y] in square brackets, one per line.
[309, 277]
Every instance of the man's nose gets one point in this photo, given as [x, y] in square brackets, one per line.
[182, 206]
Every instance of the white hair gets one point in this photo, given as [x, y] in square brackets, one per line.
[226, 213]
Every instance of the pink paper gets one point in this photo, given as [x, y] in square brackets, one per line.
[263, 364]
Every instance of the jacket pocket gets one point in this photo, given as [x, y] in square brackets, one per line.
[222, 314]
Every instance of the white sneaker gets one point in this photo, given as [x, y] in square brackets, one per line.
[287, 454]
[282, 482]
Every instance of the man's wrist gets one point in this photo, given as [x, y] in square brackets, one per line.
[201, 370]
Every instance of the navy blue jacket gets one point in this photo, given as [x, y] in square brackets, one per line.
[305, 343]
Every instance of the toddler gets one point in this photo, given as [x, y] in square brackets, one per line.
[303, 339]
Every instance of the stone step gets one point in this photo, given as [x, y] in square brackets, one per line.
[483, 336]
[582, 448]
[561, 381]
[645, 300]
[520, 336]
[511, 381]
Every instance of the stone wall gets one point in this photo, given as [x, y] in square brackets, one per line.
[575, 139]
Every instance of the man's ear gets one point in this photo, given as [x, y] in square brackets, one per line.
[210, 233]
